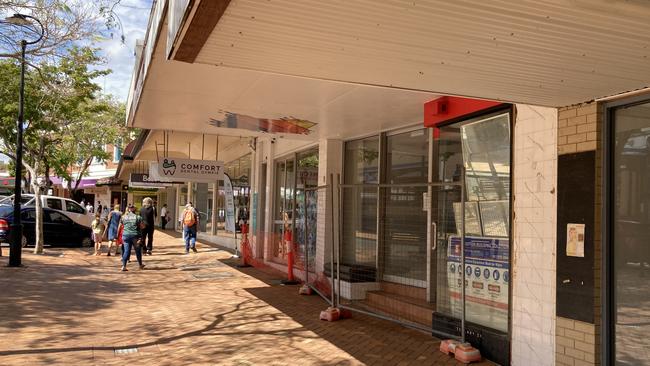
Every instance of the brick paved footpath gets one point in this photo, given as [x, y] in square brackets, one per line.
[68, 307]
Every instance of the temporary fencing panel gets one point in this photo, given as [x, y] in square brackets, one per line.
[398, 254]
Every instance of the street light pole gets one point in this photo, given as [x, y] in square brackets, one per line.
[16, 246]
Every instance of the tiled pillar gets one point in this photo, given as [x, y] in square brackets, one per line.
[329, 162]
[580, 130]
[534, 236]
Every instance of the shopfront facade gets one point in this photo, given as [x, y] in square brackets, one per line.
[346, 169]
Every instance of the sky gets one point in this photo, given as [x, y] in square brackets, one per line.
[134, 15]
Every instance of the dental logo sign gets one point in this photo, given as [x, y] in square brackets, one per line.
[186, 170]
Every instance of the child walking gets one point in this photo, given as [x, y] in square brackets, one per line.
[98, 227]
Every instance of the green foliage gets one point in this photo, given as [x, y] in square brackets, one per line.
[68, 121]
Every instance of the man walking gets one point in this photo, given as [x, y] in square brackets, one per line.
[190, 225]
[163, 216]
[148, 214]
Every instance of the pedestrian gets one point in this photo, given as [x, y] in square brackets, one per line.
[163, 216]
[99, 207]
[190, 226]
[89, 208]
[148, 214]
[112, 228]
[132, 226]
[98, 228]
[105, 213]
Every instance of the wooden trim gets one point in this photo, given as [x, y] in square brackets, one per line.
[205, 18]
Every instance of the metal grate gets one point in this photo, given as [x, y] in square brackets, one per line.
[125, 351]
[393, 254]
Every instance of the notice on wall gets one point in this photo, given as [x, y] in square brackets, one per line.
[487, 273]
[575, 240]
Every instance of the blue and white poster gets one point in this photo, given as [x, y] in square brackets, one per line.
[486, 279]
[230, 203]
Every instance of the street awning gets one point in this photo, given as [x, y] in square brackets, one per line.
[550, 53]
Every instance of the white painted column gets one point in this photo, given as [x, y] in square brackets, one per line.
[533, 269]
[330, 161]
[268, 156]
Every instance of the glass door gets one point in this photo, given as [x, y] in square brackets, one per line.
[473, 156]
[630, 234]
[285, 181]
[404, 226]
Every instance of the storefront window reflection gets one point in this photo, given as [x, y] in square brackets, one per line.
[480, 147]
[360, 203]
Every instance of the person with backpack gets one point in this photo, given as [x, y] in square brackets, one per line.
[190, 219]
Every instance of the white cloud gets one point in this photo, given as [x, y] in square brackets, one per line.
[134, 15]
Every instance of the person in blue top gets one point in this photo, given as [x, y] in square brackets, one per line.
[131, 235]
[112, 228]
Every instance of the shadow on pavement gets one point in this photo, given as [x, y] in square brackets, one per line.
[369, 340]
[53, 296]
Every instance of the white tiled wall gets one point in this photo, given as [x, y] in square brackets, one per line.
[329, 162]
[534, 233]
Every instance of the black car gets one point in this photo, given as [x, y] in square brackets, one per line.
[58, 229]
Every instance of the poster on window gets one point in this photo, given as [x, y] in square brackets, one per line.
[575, 240]
[487, 273]
[230, 203]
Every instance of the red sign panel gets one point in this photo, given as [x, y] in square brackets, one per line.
[445, 109]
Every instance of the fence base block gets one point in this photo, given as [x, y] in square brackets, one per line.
[330, 314]
[463, 352]
[305, 290]
[345, 314]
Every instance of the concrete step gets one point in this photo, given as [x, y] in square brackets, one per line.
[401, 307]
[404, 290]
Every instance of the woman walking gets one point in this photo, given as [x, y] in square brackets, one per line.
[99, 228]
[113, 225]
[132, 225]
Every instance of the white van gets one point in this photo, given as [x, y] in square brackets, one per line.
[71, 208]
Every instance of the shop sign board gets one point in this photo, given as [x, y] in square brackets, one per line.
[487, 276]
[189, 170]
[141, 180]
[230, 203]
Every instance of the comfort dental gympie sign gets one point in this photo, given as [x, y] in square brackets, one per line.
[206, 171]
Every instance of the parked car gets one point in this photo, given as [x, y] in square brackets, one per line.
[71, 208]
[58, 229]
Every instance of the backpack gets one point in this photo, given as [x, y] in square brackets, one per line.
[188, 218]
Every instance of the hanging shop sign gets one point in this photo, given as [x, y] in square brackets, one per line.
[187, 170]
[487, 273]
[230, 203]
[141, 180]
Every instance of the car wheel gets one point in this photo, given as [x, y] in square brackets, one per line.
[23, 241]
[86, 243]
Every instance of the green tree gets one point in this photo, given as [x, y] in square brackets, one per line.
[98, 123]
[68, 121]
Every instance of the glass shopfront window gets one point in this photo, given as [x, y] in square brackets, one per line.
[481, 148]
[306, 208]
[404, 246]
[403, 222]
[629, 239]
[360, 204]
[293, 176]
